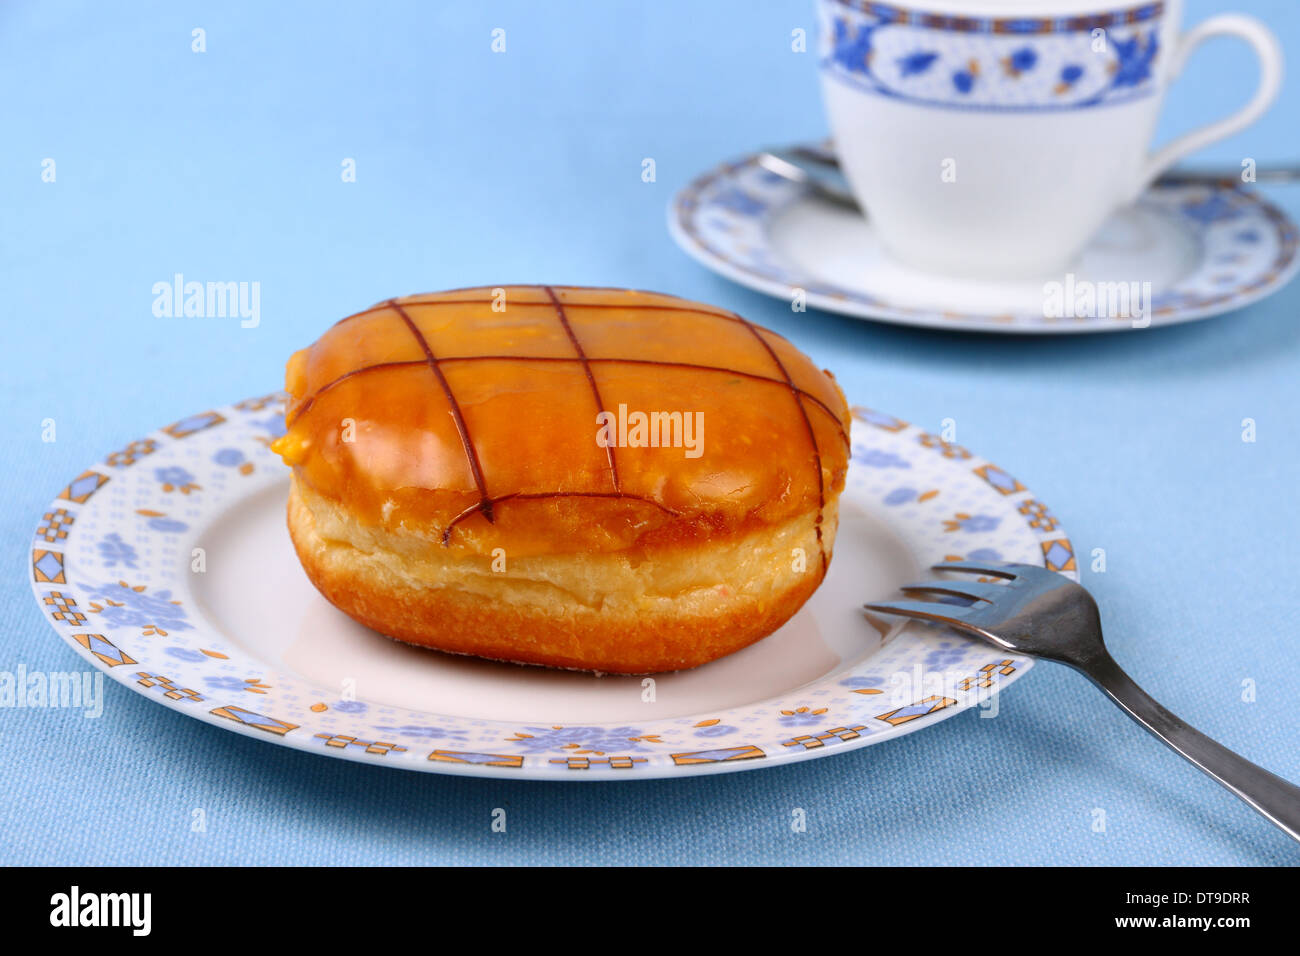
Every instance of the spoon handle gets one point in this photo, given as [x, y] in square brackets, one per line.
[820, 170]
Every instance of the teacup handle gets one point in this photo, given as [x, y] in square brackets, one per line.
[1267, 51]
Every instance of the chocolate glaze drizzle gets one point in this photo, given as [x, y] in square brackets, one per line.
[486, 502]
[812, 435]
[661, 363]
[687, 306]
[591, 379]
[538, 496]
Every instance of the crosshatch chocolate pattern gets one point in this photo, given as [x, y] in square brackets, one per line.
[488, 498]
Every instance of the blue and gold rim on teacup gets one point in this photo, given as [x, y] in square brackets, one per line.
[993, 63]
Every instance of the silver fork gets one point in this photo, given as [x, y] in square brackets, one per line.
[1044, 614]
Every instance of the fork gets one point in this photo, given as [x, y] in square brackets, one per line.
[1044, 614]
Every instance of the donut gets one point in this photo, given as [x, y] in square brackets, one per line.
[595, 479]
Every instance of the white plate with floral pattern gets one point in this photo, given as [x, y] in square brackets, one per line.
[168, 566]
[1205, 248]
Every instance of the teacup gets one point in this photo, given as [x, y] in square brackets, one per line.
[992, 138]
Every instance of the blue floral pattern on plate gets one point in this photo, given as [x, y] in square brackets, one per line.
[141, 626]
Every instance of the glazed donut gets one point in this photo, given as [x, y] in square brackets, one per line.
[596, 479]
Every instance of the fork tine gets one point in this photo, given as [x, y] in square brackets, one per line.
[977, 567]
[980, 590]
[926, 610]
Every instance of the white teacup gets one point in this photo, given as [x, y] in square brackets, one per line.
[991, 138]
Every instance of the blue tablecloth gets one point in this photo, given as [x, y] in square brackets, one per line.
[474, 167]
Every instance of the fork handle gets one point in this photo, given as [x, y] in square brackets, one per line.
[1275, 798]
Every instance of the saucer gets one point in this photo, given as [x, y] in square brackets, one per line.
[1205, 248]
[167, 566]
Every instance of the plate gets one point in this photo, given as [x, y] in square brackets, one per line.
[168, 567]
[1206, 248]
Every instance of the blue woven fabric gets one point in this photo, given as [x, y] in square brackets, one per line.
[474, 167]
